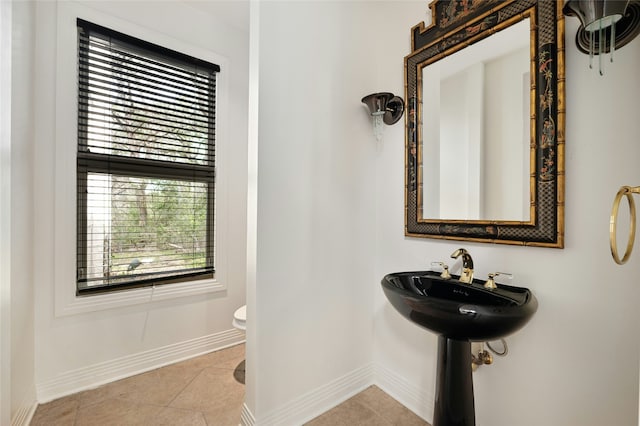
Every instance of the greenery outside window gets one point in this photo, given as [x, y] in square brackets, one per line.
[145, 163]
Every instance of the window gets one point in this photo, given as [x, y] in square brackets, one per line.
[145, 163]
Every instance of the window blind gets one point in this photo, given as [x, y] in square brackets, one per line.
[145, 162]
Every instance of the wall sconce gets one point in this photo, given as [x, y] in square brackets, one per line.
[383, 107]
[606, 25]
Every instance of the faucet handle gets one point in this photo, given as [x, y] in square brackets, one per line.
[445, 275]
[491, 284]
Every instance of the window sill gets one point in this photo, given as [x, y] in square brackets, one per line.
[82, 304]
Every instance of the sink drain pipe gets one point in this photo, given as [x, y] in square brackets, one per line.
[483, 357]
[505, 348]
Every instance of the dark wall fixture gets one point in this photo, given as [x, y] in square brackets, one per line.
[606, 25]
[383, 107]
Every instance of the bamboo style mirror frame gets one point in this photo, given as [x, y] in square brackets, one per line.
[456, 25]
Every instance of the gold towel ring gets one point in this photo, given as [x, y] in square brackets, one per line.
[627, 191]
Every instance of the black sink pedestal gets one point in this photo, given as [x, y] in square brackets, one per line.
[454, 384]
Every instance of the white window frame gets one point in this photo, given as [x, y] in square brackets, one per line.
[66, 300]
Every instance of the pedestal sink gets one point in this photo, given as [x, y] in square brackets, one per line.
[459, 313]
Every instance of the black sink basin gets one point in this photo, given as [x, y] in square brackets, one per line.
[459, 313]
[458, 310]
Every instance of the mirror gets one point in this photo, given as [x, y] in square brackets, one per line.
[485, 123]
[476, 116]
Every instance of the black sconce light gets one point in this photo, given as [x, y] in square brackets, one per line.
[606, 25]
[383, 107]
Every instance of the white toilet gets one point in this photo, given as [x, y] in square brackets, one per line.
[240, 318]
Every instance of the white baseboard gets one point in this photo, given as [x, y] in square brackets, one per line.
[406, 393]
[247, 419]
[316, 402]
[24, 414]
[98, 374]
[298, 411]
[312, 404]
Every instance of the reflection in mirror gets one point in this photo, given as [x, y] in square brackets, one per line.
[476, 130]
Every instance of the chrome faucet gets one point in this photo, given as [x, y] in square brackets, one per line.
[467, 265]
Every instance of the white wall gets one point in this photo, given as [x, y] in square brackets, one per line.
[506, 116]
[5, 212]
[454, 149]
[316, 207]
[576, 362]
[20, 265]
[461, 142]
[247, 417]
[403, 352]
[431, 152]
[82, 349]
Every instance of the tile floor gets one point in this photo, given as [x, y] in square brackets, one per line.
[198, 391]
[371, 407]
[202, 391]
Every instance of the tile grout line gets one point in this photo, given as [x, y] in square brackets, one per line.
[382, 415]
[384, 419]
[75, 415]
[185, 387]
[373, 409]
